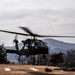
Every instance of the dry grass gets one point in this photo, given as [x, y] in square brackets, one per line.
[24, 70]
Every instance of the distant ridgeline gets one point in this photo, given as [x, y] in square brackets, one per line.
[56, 46]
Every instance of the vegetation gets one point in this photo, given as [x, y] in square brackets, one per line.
[3, 55]
[42, 59]
[56, 59]
[69, 59]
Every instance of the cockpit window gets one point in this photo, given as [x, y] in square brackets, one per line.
[38, 43]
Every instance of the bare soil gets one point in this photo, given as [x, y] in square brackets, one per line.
[25, 70]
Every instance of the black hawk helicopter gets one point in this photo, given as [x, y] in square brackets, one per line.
[30, 46]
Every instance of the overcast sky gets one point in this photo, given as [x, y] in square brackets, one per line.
[51, 17]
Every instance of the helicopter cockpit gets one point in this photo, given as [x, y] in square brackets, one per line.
[39, 43]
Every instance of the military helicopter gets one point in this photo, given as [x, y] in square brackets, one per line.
[31, 46]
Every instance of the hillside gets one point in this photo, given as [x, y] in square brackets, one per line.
[56, 46]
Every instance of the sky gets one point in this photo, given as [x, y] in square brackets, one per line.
[51, 17]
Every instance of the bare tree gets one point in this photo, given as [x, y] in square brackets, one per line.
[22, 60]
[69, 59]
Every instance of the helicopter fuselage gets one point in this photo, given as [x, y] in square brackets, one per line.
[34, 47]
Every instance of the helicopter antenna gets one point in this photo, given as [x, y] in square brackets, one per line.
[15, 38]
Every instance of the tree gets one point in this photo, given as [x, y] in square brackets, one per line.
[21, 59]
[3, 55]
[32, 59]
[43, 59]
[56, 58]
[69, 59]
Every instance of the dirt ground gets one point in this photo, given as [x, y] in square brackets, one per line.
[25, 70]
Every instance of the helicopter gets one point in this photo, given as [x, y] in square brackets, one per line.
[31, 46]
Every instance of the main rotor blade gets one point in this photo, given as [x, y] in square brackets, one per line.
[35, 35]
[27, 30]
[55, 36]
[14, 32]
